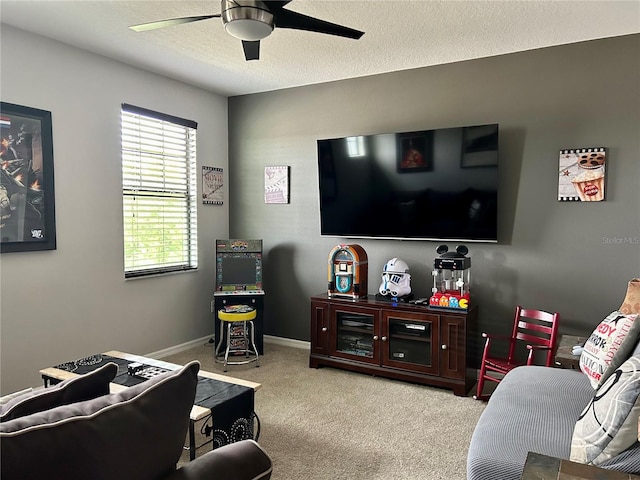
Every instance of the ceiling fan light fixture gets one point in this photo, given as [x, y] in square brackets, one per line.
[253, 20]
[246, 29]
[248, 23]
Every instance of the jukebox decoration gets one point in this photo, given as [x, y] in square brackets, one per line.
[347, 272]
[451, 272]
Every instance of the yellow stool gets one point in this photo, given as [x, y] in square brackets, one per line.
[239, 322]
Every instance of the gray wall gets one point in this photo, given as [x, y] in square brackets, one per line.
[74, 301]
[574, 258]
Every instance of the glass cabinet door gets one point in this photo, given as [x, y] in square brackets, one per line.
[355, 335]
[411, 341]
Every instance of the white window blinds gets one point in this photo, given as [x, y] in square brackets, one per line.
[158, 192]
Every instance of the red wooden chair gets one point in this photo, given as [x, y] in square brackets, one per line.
[534, 328]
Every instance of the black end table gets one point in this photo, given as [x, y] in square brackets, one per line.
[564, 358]
[540, 466]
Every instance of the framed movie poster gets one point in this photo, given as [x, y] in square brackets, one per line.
[27, 202]
[212, 186]
[581, 176]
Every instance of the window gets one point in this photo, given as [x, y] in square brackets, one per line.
[158, 192]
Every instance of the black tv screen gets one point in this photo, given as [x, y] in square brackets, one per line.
[426, 185]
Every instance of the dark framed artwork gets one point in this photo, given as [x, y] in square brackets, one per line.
[415, 152]
[479, 147]
[27, 201]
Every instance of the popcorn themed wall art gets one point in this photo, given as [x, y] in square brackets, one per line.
[581, 175]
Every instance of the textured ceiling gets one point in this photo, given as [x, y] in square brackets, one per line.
[399, 35]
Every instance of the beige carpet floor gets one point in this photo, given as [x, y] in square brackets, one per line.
[328, 424]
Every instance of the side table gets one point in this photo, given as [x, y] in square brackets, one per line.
[564, 358]
[540, 466]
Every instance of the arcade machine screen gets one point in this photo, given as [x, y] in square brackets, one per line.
[238, 265]
[239, 271]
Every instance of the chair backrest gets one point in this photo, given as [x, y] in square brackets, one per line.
[535, 327]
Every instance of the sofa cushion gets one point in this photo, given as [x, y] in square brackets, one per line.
[533, 409]
[631, 302]
[136, 433]
[78, 389]
[609, 346]
[609, 423]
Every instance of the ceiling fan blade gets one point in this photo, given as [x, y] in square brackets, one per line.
[251, 50]
[170, 22]
[276, 5]
[288, 19]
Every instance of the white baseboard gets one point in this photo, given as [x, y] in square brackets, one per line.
[179, 348]
[286, 342]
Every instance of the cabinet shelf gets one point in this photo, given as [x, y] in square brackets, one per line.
[401, 341]
[413, 338]
[361, 330]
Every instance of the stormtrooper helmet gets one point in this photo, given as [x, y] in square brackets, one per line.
[396, 280]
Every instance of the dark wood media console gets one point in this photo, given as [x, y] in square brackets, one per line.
[402, 341]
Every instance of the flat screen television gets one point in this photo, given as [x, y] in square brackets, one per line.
[426, 185]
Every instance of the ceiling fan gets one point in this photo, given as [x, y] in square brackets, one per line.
[251, 21]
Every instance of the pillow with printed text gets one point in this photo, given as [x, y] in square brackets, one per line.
[609, 423]
[609, 346]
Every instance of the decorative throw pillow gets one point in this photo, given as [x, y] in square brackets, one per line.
[609, 345]
[138, 433]
[631, 302]
[10, 396]
[609, 423]
[84, 387]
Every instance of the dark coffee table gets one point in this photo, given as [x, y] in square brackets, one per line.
[52, 375]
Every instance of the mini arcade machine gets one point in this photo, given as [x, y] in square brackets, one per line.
[451, 273]
[347, 271]
[239, 282]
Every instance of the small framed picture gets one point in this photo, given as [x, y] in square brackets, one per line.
[581, 175]
[276, 184]
[212, 186]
